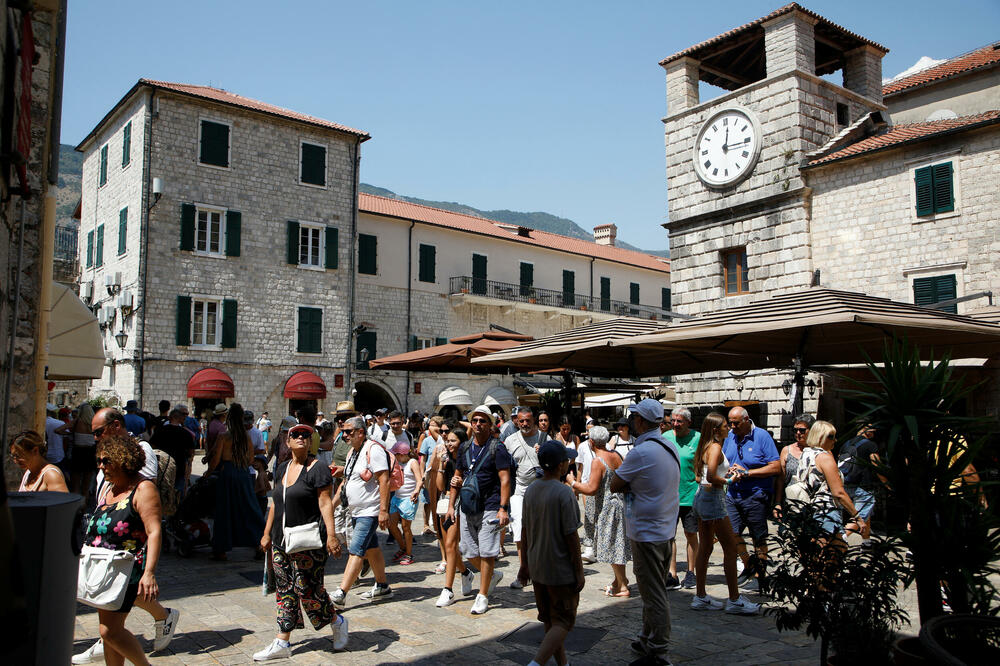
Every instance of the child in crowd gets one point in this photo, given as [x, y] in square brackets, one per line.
[404, 502]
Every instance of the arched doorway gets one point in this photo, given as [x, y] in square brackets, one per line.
[370, 397]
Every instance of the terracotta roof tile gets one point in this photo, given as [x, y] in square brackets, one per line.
[226, 97]
[775, 14]
[898, 135]
[376, 205]
[984, 57]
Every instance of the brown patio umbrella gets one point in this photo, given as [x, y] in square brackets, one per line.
[454, 356]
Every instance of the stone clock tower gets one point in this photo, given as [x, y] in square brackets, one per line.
[739, 210]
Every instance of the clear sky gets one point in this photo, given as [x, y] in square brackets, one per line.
[534, 106]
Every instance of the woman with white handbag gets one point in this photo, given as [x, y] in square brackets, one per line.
[299, 534]
[121, 547]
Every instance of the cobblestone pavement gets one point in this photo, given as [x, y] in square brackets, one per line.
[225, 619]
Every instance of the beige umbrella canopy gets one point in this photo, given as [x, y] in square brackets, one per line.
[76, 348]
[455, 355]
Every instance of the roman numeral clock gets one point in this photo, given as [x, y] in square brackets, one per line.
[727, 147]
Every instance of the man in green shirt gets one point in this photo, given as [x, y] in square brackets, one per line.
[686, 440]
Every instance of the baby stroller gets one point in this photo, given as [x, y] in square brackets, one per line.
[188, 528]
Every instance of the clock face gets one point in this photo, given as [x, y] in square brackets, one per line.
[727, 148]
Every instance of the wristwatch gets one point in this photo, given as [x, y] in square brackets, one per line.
[505, 507]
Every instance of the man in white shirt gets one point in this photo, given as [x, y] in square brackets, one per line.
[395, 433]
[367, 500]
[523, 448]
[378, 429]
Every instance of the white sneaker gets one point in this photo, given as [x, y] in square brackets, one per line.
[446, 599]
[588, 555]
[377, 592]
[165, 629]
[739, 566]
[742, 606]
[273, 651]
[480, 605]
[338, 598]
[94, 653]
[752, 585]
[705, 603]
[467, 579]
[497, 577]
[339, 630]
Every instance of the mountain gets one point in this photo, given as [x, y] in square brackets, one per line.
[71, 168]
[541, 221]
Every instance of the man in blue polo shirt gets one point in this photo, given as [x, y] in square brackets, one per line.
[754, 462]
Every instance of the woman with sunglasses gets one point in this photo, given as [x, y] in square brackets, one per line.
[238, 519]
[435, 464]
[27, 450]
[127, 517]
[790, 456]
[453, 440]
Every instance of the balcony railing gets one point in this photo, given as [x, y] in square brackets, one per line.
[65, 246]
[506, 291]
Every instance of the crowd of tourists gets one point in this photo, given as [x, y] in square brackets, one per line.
[303, 489]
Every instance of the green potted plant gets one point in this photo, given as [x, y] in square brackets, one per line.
[845, 597]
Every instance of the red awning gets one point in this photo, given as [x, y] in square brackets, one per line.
[210, 383]
[305, 386]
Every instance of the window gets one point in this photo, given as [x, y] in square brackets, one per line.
[843, 115]
[569, 288]
[208, 231]
[127, 144]
[426, 263]
[206, 323]
[99, 248]
[417, 343]
[930, 290]
[665, 298]
[633, 296]
[367, 254]
[312, 164]
[735, 271]
[606, 294]
[366, 349]
[310, 331]
[935, 189]
[310, 245]
[527, 278]
[122, 230]
[102, 177]
[90, 248]
[211, 230]
[214, 144]
[478, 273]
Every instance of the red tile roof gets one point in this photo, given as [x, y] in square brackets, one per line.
[898, 135]
[984, 57]
[376, 205]
[228, 98]
[775, 14]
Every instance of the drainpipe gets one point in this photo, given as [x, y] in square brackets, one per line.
[351, 280]
[409, 306]
[148, 179]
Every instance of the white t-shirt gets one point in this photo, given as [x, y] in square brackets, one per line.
[390, 438]
[585, 456]
[53, 441]
[622, 446]
[654, 477]
[522, 450]
[363, 498]
[375, 430]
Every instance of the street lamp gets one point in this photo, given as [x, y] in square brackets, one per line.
[121, 337]
[786, 386]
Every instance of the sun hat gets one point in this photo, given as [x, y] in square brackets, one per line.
[346, 407]
[551, 453]
[288, 422]
[220, 409]
[131, 406]
[649, 409]
[485, 411]
[400, 448]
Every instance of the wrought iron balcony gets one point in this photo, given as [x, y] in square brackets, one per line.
[506, 291]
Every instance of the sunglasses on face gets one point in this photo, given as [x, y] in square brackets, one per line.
[445, 431]
[299, 435]
[735, 423]
[97, 432]
[104, 462]
[800, 431]
[349, 431]
[479, 421]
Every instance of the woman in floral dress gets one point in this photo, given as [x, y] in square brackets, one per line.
[127, 517]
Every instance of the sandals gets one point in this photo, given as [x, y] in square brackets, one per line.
[622, 593]
[441, 567]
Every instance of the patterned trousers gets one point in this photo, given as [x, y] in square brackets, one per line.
[299, 579]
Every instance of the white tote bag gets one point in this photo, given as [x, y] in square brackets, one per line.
[300, 537]
[103, 577]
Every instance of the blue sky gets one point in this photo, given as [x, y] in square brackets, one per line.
[535, 106]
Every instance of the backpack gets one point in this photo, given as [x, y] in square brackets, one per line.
[395, 471]
[470, 499]
[851, 470]
[166, 475]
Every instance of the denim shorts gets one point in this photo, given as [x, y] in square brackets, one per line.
[864, 501]
[830, 520]
[406, 509]
[710, 503]
[749, 512]
[365, 536]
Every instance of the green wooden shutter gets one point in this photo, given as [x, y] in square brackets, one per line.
[569, 287]
[187, 226]
[214, 144]
[633, 293]
[183, 321]
[90, 248]
[122, 230]
[313, 164]
[366, 340]
[127, 144]
[310, 335]
[665, 298]
[292, 251]
[228, 323]
[414, 341]
[606, 293]
[930, 290]
[427, 263]
[440, 341]
[367, 254]
[234, 224]
[924, 181]
[102, 177]
[99, 250]
[944, 190]
[527, 278]
[478, 273]
[332, 247]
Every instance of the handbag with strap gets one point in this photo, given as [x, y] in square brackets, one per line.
[103, 577]
[299, 537]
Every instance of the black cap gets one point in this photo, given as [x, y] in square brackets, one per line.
[552, 453]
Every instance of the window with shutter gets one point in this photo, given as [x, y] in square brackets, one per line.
[229, 321]
[367, 254]
[127, 144]
[569, 288]
[440, 341]
[311, 237]
[122, 230]
[527, 278]
[427, 261]
[310, 337]
[944, 191]
[214, 144]
[665, 298]
[633, 296]
[931, 290]
[205, 321]
[478, 273]
[934, 188]
[312, 164]
[90, 248]
[332, 247]
[102, 176]
[606, 294]
[234, 224]
[210, 231]
[99, 247]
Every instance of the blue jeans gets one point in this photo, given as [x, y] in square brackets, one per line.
[365, 536]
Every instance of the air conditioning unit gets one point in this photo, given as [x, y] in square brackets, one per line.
[113, 282]
[87, 291]
[102, 317]
[125, 303]
[109, 314]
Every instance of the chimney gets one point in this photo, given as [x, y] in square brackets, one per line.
[605, 234]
